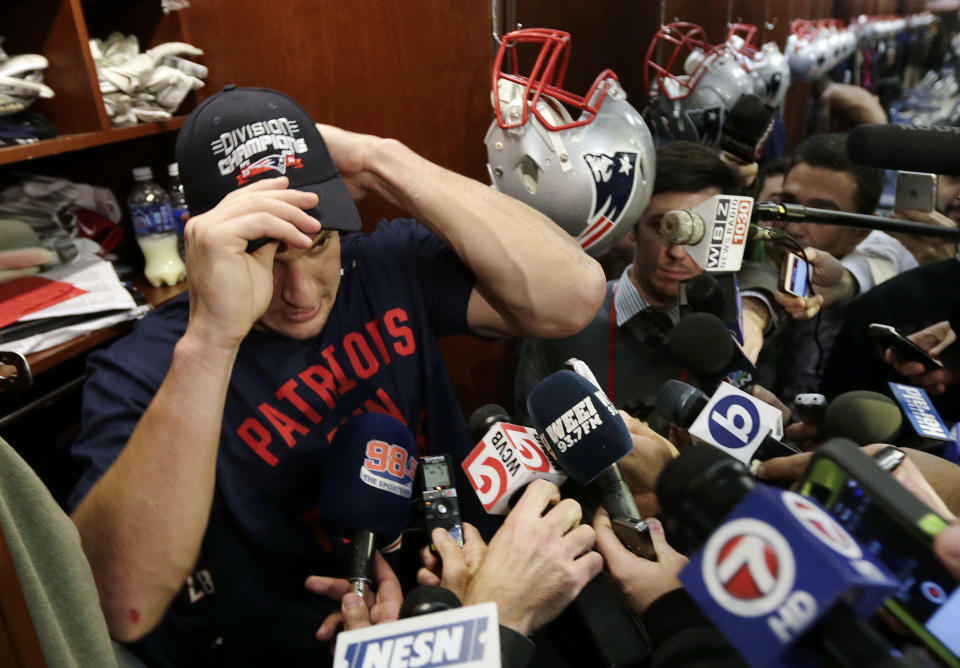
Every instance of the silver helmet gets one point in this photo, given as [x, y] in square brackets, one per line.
[591, 174]
[693, 104]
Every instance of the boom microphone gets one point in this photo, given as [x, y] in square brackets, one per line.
[907, 148]
[367, 485]
[585, 435]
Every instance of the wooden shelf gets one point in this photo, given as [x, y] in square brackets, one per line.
[76, 142]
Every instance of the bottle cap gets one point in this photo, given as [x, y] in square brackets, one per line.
[142, 173]
[173, 169]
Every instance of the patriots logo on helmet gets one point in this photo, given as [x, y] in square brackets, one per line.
[613, 185]
[708, 123]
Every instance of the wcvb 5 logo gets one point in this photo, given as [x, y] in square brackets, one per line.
[500, 458]
[748, 567]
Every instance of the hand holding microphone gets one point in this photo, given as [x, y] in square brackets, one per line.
[537, 562]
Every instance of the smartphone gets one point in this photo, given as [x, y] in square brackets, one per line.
[794, 275]
[439, 497]
[916, 191]
[635, 536]
[905, 349]
[898, 529]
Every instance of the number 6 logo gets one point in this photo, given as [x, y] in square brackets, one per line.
[734, 422]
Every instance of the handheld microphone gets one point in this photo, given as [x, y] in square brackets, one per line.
[367, 487]
[704, 345]
[863, 417]
[776, 573]
[506, 458]
[715, 231]
[741, 426]
[680, 403]
[928, 428]
[747, 127]
[717, 294]
[585, 435]
[906, 148]
[426, 599]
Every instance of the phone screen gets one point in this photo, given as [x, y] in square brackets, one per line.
[794, 275]
[927, 591]
[436, 474]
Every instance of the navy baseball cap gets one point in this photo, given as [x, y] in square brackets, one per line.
[242, 135]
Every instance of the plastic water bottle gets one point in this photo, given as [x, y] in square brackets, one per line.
[178, 204]
[156, 230]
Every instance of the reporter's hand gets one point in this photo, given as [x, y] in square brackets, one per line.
[831, 281]
[230, 289]
[640, 468]
[537, 562]
[746, 172]
[933, 339]
[453, 566]
[805, 436]
[643, 581]
[926, 249]
[384, 605]
[755, 316]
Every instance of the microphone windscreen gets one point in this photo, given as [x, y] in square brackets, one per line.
[680, 403]
[704, 294]
[703, 344]
[425, 599]
[864, 417]
[368, 478]
[697, 467]
[911, 148]
[485, 417]
[578, 424]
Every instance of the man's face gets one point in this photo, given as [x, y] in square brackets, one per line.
[658, 267]
[305, 284]
[821, 188]
[948, 196]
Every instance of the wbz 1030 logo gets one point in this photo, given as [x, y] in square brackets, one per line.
[389, 467]
[513, 448]
[749, 568]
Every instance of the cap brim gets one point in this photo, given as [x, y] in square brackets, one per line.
[336, 209]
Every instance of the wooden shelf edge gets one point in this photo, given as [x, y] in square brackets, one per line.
[76, 142]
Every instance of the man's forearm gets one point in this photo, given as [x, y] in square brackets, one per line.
[532, 272]
[143, 522]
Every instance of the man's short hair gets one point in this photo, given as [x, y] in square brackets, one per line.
[829, 151]
[688, 167]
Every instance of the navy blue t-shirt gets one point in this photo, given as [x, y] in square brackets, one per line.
[245, 602]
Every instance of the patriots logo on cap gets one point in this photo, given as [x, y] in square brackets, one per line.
[276, 162]
[614, 177]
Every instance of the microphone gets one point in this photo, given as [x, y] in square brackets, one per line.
[776, 573]
[704, 345]
[863, 417]
[928, 431]
[907, 148]
[715, 231]
[367, 486]
[740, 425]
[680, 403]
[585, 435]
[718, 294]
[426, 599]
[747, 127]
[506, 458]
[774, 211]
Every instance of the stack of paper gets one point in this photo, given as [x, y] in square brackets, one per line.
[62, 304]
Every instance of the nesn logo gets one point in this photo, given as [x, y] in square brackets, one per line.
[447, 645]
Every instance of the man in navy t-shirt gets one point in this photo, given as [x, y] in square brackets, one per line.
[205, 430]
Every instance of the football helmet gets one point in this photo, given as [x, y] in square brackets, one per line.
[693, 103]
[768, 67]
[585, 162]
